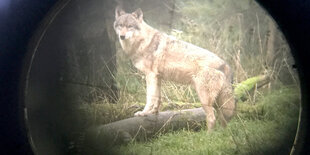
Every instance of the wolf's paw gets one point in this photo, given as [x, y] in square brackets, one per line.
[145, 113]
[140, 113]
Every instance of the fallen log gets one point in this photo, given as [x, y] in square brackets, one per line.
[243, 89]
[142, 128]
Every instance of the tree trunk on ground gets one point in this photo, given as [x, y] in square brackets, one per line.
[243, 89]
[141, 128]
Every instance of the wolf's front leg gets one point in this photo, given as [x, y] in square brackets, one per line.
[153, 84]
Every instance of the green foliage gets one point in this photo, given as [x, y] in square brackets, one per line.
[271, 132]
[272, 106]
[266, 127]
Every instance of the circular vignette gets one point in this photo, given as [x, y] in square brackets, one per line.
[293, 19]
[62, 4]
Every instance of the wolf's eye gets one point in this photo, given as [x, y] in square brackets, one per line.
[119, 25]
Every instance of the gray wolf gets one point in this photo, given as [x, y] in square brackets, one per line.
[162, 57]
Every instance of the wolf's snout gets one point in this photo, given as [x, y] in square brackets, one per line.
[122, 37]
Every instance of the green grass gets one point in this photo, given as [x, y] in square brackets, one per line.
[268, 127]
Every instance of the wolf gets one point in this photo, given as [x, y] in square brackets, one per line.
[163, 57]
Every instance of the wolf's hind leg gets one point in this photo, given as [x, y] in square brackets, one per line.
[226, 104]
[207, 101]
[208, 90]
[153, 85]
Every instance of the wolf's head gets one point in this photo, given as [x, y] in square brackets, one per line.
[127, 25]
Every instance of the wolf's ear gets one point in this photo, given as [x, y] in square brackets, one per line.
[138, 14]
[119, 11]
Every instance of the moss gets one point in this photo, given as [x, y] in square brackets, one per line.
[242, 89]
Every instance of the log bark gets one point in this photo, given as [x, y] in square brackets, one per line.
[141, 128]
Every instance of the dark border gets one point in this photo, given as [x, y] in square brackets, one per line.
[293, 18]
[17, 24]
[23, 17]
